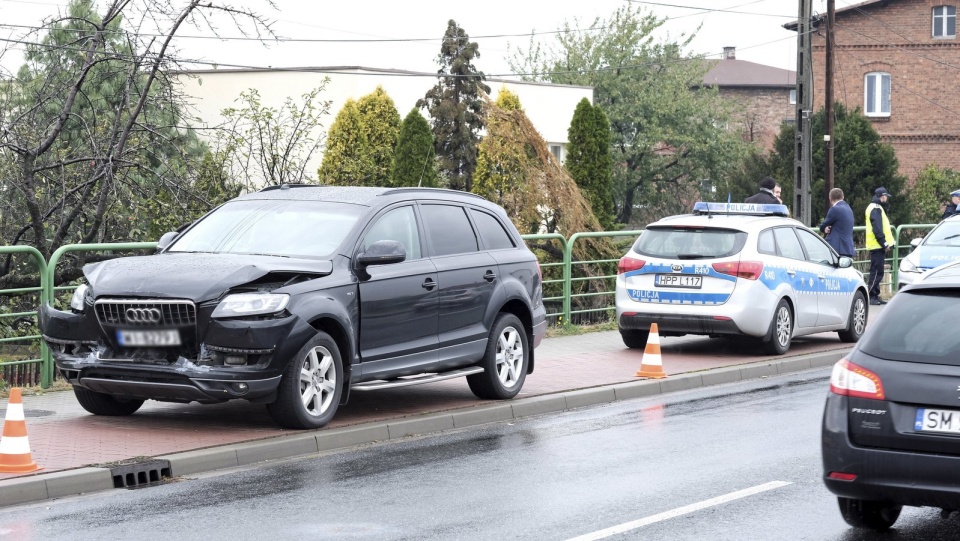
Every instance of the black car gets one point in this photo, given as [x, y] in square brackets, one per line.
[295, 295]
[891, 426]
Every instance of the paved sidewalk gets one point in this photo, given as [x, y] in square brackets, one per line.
[76, 449]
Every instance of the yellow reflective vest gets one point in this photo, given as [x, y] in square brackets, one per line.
[872, 242]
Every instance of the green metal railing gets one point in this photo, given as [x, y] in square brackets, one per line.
[569, 279]
[561, 241]
[42, 270]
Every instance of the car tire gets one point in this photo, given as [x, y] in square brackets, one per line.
[311, 386]
[634, 339]
[504, 362]
[105, 404]
[873, 515]
[781, 330]
[857, 322]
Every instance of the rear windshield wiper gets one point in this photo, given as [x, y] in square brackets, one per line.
[694, 256]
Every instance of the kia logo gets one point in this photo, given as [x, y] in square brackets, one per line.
[143, 315]
[676, 268]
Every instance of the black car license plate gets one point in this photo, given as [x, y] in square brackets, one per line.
[690, 281]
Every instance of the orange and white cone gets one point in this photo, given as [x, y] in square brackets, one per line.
[651, 365]
[14, 447]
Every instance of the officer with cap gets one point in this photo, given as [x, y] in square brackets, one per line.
[879, 241]
[952, 206]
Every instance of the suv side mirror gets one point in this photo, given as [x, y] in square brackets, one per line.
[166, 240]
[382, 252]
[845, 262]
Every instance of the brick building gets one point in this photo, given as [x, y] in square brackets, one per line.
[765, 96]
[899, 62]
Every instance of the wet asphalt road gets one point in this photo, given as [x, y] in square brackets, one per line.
[554, 477]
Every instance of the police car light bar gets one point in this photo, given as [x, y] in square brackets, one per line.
[703, 207]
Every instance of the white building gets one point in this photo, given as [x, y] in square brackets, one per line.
[550, 107]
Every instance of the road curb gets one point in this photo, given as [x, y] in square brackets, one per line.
[45, 486]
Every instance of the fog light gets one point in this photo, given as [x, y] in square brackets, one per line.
[235, 360]
[240, 387]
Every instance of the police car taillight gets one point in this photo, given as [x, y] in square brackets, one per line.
[849, 379]
[628, 264]
[750, 270]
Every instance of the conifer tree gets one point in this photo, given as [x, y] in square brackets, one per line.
[346, 161]
[588, 159]
[414, 158]
[380, 123]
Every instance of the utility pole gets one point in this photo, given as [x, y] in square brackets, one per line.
[828, 138]
[803, 159]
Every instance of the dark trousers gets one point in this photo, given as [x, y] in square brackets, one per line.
[877, 258]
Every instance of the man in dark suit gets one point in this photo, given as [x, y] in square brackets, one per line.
[765, 195]
[838, 225]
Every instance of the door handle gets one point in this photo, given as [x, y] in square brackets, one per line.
[429, 284]
[792, 273]
[822, 277]
[490, 276]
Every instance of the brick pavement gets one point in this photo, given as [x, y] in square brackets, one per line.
[63, 436]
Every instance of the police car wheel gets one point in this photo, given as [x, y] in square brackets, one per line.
[857, 323]
[781, 330]
[634, 339]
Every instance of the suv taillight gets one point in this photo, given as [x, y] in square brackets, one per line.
[849, 379]
[628, 264]
[750, 270]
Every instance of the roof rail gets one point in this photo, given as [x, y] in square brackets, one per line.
[430, 190]
[287, 186]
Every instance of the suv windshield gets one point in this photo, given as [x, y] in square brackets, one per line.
[689, 242]
[285, 228]
[948, 234]
[923, 329]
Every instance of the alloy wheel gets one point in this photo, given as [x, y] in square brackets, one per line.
[318, 381]
[509, 356]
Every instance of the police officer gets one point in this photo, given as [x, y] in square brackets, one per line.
[879, 241]
[765, 195]
[952, 206]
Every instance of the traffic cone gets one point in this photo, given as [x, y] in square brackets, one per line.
[651, 366]
[14, 447]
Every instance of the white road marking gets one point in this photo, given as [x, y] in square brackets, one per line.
[680, 511]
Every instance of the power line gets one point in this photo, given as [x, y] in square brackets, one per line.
[714, 10]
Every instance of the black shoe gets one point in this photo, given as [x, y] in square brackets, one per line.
[877, 301]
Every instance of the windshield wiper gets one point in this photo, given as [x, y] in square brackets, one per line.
[693, 256]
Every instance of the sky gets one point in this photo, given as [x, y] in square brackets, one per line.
[754, 27]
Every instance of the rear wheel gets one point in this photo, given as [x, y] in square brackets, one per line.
[858, 319]
[634, 339]
[105, 404]
[310, 388]
[869, 514]
[505, 361]
[781, 330]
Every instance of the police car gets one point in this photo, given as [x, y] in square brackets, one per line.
[741, 270]
[939, 247]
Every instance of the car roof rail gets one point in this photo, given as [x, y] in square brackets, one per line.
[286, 186]
[744, 209]
[407, 189]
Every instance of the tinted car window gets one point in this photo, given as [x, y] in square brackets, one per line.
[494, 236]
[919, 327]
[449, 229]
[817, 250]
[399, 225]
[766, 244]
[689, 243]
[788, 243]
[287, 228]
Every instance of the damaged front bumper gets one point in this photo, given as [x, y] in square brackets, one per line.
[228, 359]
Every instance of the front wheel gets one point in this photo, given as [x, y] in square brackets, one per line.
[634, 339]
[781, 330]
[105, 404]
[869, 514]
[505, 361]
[858, 319]
[310, 389]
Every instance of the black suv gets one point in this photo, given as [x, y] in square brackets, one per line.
[295, 295]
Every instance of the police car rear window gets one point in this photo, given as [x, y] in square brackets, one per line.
[689, 243]
[918, 326]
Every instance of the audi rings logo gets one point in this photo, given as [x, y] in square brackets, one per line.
[143, 315]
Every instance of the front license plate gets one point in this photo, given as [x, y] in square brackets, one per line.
[942, 421]
[691, 281]
[148, 338]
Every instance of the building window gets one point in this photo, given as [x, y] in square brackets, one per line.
[944, 22]
[557, 151]
[793, 96]
[876, 94]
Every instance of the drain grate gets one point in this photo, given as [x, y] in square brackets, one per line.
[141, 473]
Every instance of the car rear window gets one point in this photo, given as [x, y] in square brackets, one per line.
[689, 242]
[917, 326]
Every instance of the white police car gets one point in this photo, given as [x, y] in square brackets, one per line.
[737, 269]
[939, 247]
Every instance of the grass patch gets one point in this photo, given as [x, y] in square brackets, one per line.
[573, 330]
[34, 390]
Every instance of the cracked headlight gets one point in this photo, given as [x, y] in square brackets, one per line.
[251, 304]
[79, 294]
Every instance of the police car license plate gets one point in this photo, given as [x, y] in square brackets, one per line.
[691, 281]
[148, 338]
[931, 420]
